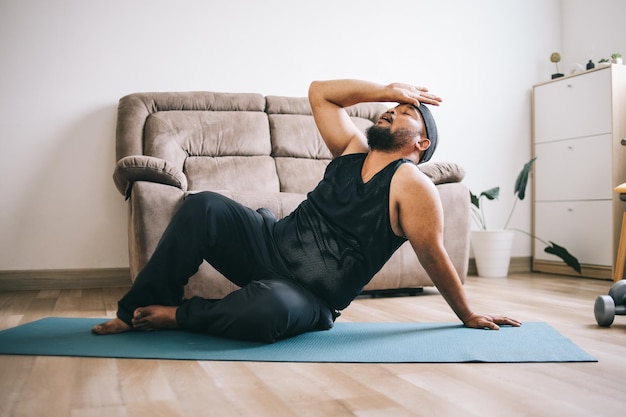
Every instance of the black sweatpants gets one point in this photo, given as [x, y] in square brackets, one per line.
[237, 241]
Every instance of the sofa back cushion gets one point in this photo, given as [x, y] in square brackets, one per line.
[300, 153]
[223, 149]
[231, 141]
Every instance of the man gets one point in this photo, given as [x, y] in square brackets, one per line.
[297, 273]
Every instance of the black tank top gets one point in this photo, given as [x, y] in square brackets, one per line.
[337, 239]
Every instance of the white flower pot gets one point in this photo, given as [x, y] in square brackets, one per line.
[492, 251]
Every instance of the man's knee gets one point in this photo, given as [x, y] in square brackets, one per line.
[202, 201]
[206, 213]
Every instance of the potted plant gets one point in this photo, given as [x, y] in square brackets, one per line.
[616, 58]
[492, 248]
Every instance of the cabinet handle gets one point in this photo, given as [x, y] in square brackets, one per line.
[623, 142]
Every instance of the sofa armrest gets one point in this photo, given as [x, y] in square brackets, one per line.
[443, 172]
[146, 168]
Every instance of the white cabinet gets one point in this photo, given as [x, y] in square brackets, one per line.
[578, 124]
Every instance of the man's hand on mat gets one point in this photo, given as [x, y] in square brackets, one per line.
[483, 321]
[154, 317]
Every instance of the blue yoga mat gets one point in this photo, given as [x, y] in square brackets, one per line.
[346, 342]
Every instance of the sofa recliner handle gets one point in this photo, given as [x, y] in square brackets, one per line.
[134, 168]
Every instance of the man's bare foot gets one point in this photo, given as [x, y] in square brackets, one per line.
[111, 327]
[155, 317]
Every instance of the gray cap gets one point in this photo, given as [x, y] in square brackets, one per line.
[430, 128]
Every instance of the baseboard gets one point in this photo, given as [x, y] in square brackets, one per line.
[559, 268]
[60, 279]
[518, 265]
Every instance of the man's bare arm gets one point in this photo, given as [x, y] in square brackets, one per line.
[329, 98]
[421, 221]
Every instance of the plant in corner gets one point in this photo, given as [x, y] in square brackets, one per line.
[616, 58]
[520, 192]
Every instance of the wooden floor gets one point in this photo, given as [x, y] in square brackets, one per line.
[88, 387]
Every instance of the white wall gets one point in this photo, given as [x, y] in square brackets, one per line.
[65, 64]
[592, 30]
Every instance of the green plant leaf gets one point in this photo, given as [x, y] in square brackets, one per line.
[492, 193]
[562, 253]
[522, 179]
[475, 201]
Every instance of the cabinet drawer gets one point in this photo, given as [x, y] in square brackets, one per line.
[583, 227]
[573, 107]
[575, 169]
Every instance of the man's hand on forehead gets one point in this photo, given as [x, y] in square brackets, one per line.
[414, 95]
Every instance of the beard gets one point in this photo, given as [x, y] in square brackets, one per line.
[382, 139]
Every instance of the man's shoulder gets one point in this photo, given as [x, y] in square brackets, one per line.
[409, 178]
[409, 169]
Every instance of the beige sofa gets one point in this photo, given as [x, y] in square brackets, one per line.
[260, 151]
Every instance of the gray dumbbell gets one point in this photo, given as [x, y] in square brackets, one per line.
[607, 306]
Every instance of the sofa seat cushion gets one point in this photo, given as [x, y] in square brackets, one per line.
[281, 204]
[240, 173]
